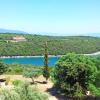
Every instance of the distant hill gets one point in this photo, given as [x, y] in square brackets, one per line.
[57, 45]
[93, 34]
[12, 31]
[44, 33]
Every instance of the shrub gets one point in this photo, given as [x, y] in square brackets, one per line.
[23, 92]
[17, 82]
[94, 90]
[9, 95]
[73, 73]
[97, 80]
[15, 69]
[3, 68]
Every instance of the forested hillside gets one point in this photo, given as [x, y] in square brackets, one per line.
[34, 45]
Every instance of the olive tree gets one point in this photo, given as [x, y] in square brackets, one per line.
[32, 74]
[73, 73]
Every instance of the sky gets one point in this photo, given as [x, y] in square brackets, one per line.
[53, 17]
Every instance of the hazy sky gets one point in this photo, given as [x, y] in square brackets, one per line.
[55, 16]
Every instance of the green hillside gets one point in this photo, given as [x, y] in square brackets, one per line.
[34, 45]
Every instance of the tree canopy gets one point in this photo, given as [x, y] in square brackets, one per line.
[73, 73]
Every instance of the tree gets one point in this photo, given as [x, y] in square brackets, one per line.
[3, 68]
[73, 73]
[32, 74]
[46, 73]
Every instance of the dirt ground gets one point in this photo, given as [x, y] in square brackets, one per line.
[39, 83]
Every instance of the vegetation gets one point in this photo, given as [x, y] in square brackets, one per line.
[17, 82]
[32, 74]
[3, 68]
[74, 65]
[73, 73]
[21, 68]
[95, 91]
[23, 92]
[56, 45]
[46, 73]
[7, 80]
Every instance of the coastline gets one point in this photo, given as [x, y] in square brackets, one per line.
[92, 54]
[29, 56]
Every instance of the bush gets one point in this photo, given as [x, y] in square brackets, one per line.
[73, 73]
[3, 68]
[17, 82]
[9, 95]
[97, 80]
[15, 69]
[94, 90]
[23, 92]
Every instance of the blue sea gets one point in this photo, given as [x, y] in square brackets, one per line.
[37, 61]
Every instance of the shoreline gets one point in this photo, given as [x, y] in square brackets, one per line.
[91, 54]
[29, 56]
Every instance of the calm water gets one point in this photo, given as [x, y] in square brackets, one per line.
[38, 61]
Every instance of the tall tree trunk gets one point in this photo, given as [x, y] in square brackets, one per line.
[46, 56]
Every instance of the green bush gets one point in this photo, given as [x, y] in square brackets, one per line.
[17, 82]
[73, 73]
[15, 69]
[19, 70]
[97, 80]
[9, 95]
[94, 90]
[23, 92]
[3, 68]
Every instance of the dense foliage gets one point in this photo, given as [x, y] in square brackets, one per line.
[3, 68]
[73, 73]
[94, 90]
[56, 45]
[23, 92]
